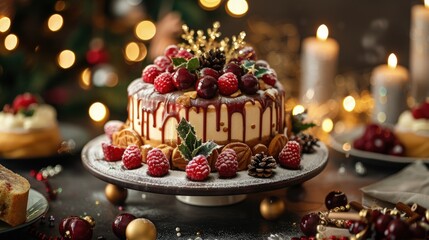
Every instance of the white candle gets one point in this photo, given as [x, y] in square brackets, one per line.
[419, 52]
[389, 91]
[318, 67]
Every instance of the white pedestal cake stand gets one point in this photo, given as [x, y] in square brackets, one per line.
[212, 192]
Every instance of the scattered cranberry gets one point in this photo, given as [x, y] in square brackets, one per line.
[119, 225]
[207, 87]
[335, 199]
[249, 84]
[309, 224]
[183, 79]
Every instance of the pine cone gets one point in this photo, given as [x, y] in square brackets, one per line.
[215, 58]
[261, 166]
[307, 142]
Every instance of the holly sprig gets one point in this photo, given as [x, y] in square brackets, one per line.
[191, 64]
[298, 124]
[250, 66]
[190, 145]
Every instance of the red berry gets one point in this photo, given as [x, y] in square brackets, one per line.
[335, 199]
[227, 83]
[233, 68]
[209, 72]
[23, 101]
[372, 131]
[227, 164]
[183, 79]
[359, 143]
[132, 157]
[421, 111]
[198, 169]
[398, 149]
[357, 227]
[150, 72]
[309, 224]
[183, 53]
[75, 228]
[111, 127]
[162, 62]
[65, 224]
[269, 79]
[171, 51]
[382, 222]
[158, 164]
[119, 225]
[249, 84]
[397, 229]
[247, 53]
[112, 152]
[290, 156]
[164, 83]
[207, 87]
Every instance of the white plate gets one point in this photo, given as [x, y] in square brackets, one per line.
[37, 206]
[339, 141]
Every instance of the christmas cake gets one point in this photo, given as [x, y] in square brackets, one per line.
[13, 197]
[28, 129]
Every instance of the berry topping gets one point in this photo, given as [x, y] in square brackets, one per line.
[111, 127]
[290, 156]
[335, 199]
[183, 79]
[421, 111]
[162, 62]
[150, 72]
[132, 157]
[157, 164]
[164, 83]
[227, 83]
[233, 68]
[183, 53]
[309, 224]
[249, 84]
[207, 87]
[227, 164]
[120, 224]
[198, 169]
[23, 101]
[269, 79]
[380, 140]
[209, 72]
[171, 51]
[112, 152]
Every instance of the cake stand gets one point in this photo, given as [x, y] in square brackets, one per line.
[212, 192]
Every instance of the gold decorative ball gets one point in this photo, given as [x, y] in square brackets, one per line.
[116, 195]
[141, 229]
[272, 207]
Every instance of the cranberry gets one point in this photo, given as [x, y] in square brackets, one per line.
[120, 224]
[397, 229]
[359, 144]
[357, 227]
[249, 84]
[397, 149]
[379, 145]
[75, 228]
[183, 79]
[382, 222]
[388, 137]
[207, 87]
[234, 68]
[171, 51]
[209, 72]
[162, 62]
[372, 131]
[309, 224]
[335, 199]
[247, 53]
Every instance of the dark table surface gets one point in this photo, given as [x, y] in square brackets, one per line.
[83, 194]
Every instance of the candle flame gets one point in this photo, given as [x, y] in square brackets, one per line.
[392, 61]
[323, 32]
[427, 3]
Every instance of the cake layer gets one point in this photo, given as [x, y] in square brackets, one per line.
[250, 119]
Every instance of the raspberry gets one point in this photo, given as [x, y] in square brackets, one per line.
[164, 83]
[150, 72]
[184, 54]
[269, 78]
[111, 127]
[171, 51]
[111, 152]
[157, 164]
[198, 169]
[227, 164]
[23, 101]
[162, 62]
[227, 84]
[290, 156]
[132, 157]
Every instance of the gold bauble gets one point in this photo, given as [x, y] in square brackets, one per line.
[141, 229]
[116, 195]
[272, 207]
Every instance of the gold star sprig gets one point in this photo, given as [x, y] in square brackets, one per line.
[199, 43]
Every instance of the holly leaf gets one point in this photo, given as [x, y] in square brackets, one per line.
[193, 64]
[179, 62]
[190, 140]
[248, 64]
[185, 152]
[298, 124]
[27, 112]
[261, 71]
[183, 128]
[205, 149]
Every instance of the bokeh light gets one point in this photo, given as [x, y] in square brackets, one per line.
[135, 52]
[209, 4]
[237, 8]
[60, 5]
[55, 22]
[66, 59]
[298, 109]
[381, 117]
[11, 42]
[327, 125]
[4, 24]
[349, 103]
[145, 30]
[98, 112]
[85, 79]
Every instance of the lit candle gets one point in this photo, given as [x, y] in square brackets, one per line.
[419, 52]
[318, 67]
[389, 91]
